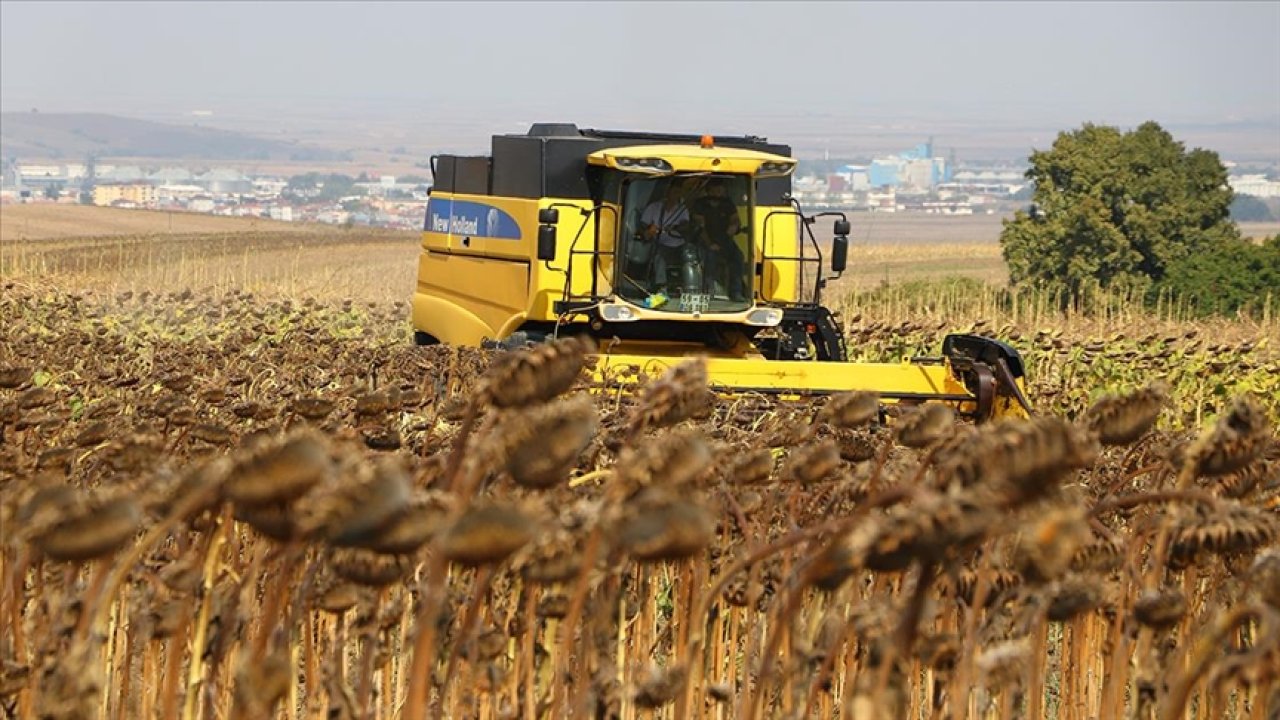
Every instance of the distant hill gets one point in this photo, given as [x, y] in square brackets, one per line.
[72, 136]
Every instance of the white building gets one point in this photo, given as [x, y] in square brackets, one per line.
[1254, 185]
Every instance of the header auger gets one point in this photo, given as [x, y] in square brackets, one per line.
[659, 247]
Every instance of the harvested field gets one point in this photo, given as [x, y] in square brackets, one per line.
[278, 259]
[45, 221]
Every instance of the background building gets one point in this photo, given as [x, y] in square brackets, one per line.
[112, 193]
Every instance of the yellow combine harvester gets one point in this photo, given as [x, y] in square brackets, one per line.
[662, 246]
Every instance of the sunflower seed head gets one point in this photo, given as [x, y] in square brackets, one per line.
[486, 534]
[674, 458]
[681, 393]
[832, 565]
[1122, 419]
[551, 558]
[659, 686]
[1071, 597]
[660, 525]
[1002, 664]
[1226, 529]
[1160, 609]
[276, 521]
[1264, 577]
[422, 519]
[15, 377]
[851, 409]
[1045, 550]
[1239, 436]
[541, 445]
[358, 504]
[858, 445]
[90, 528]
[529, 377]
[751, 467]
[279, 470]
[921, 427]
[1019, 459]
[366, 567]
[812, 463]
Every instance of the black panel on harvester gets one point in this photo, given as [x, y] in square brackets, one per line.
[471, 175]
[442, 173]
[551, 159]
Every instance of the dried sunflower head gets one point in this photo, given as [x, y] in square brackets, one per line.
[279, 470]
[528, 377]
[1239, 436]
[86, 527]
[681, 393]
[674, 458]
[486, 534]
[1046, 548]
[1072, 596]
[1122, 419]
[541, 445]
[659, 524]
[1160, 609]
[851, 409]
[357, 508]
[921, 427]
[812, 463]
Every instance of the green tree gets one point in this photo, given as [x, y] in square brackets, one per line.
[1238, 276]
[1113, 209]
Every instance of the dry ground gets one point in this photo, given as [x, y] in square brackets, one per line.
[49, 221]
[119, 250]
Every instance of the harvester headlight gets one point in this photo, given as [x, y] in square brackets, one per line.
[765, 317]
[618, 313]
[649, 165]
[657, 164]
[775, 168]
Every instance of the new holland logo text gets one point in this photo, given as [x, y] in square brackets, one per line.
[469, 218]
[456, 224]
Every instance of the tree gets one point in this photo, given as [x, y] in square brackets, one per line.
[1114, 209]
[1238, 276]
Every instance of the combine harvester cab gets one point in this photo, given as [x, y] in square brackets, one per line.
[661, 247]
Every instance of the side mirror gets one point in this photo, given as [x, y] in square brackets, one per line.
[839, 251]
[546, 240]
[549, 216]
[842, 227]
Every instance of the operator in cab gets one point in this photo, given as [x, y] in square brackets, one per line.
[717, 216]
[666, 223]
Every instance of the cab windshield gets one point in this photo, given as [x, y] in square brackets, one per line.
[686, 244]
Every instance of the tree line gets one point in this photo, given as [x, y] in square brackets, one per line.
[1138, 213]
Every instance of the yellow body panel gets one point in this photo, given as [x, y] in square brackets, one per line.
[462, 299]
[895, 382]
[778, 281]
[473, 286]
[691, 158]
[800, 376]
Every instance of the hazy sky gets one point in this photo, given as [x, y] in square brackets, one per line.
[1042, 62]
